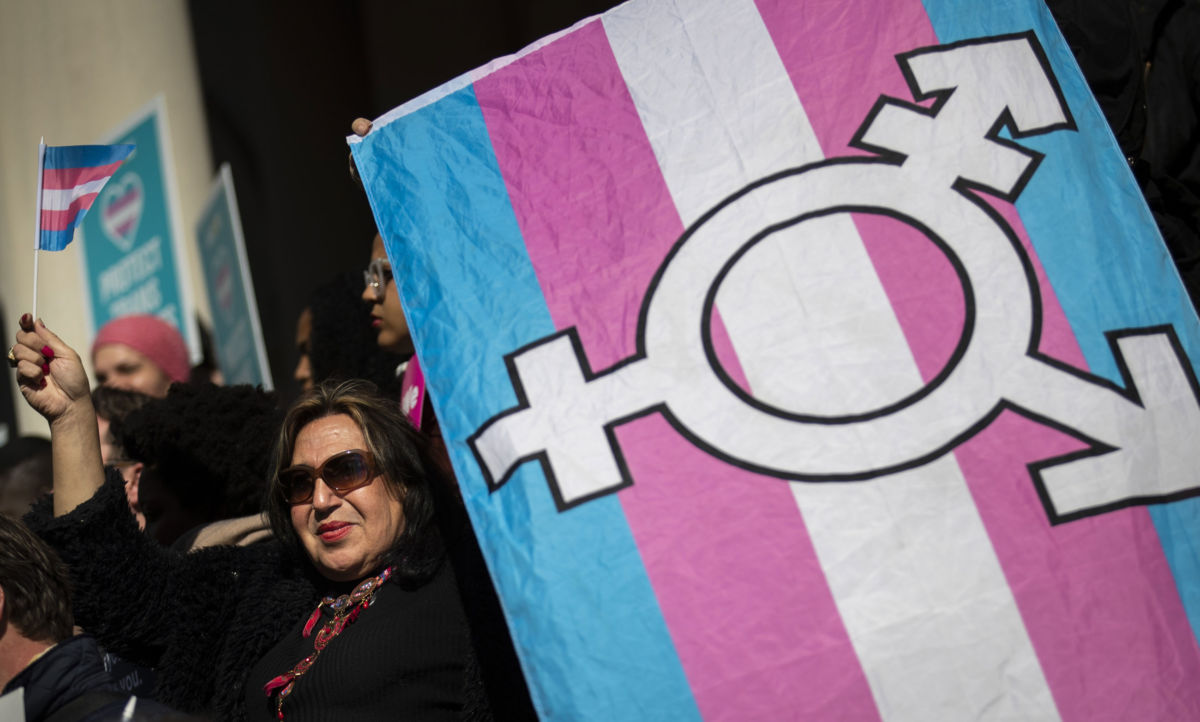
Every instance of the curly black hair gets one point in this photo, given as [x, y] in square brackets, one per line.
[210, 445]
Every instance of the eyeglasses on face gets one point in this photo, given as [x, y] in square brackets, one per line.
[343, 472]
[377, 275]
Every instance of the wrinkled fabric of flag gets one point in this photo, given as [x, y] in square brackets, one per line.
[72, 177]
[807, 360]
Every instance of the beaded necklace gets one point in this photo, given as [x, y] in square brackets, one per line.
[346, 609]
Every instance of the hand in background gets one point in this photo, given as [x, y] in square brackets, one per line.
[360, 127]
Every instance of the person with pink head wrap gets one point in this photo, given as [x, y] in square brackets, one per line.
[140, 352]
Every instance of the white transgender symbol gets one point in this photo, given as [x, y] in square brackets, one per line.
[1140, 436]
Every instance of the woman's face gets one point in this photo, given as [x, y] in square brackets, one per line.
[303, 372]
[122, 367]
[345, 536]
[387, 315]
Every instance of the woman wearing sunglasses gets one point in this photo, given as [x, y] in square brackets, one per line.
[351, 612]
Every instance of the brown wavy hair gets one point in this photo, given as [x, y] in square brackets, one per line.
[37, 590]
[401, 455]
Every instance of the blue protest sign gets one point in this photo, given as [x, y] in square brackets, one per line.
[237, 333]
[133, 240]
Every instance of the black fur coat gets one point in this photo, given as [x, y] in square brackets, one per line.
[200, 619]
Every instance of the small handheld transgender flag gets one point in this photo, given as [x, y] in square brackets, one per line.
[69, 179]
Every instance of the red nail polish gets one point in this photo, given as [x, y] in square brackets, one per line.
[47, 352]
[45, 369]
[26, 320]
[42, 385]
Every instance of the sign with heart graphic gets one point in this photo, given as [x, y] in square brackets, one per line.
[131, 243]
[121, 210]
[237, 332]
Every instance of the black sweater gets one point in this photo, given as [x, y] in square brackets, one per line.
[203, 619]
[401, 659]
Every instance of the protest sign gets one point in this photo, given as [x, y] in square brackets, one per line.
[132, 238]
[237, 332]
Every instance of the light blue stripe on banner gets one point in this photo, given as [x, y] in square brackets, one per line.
[585, 620]
[84, 156]
[1141, 286]
[57, 240]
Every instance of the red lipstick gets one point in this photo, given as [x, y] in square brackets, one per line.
[331, 531]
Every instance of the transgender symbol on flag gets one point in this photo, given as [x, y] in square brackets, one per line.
[930, 162]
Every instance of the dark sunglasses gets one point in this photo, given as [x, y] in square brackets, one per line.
[343, 472]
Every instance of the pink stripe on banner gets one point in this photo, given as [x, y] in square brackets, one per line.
[716, 541]
[62, 220]
[830, 47]
[573, 163]
[827, 69]
[66, 178]
[1096, 596]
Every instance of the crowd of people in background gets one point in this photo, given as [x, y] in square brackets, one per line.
[209, 525]
[208, 531]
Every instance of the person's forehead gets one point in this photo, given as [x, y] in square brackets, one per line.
[304, 326]
[326, 436]
[378, 250]
[116, 354]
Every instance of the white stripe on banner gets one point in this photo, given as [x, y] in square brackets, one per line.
[934, 625]
[61, 199]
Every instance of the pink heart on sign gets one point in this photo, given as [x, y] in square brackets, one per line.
[223, 286]
[121, 210]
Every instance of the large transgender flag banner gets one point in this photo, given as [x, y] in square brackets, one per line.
[808, 360]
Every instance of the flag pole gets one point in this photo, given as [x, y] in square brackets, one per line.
[37, 221]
